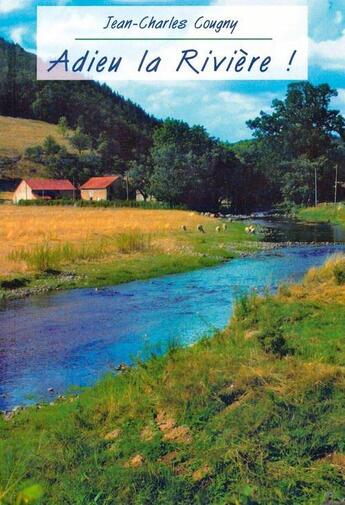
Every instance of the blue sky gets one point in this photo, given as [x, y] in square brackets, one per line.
[221, 106]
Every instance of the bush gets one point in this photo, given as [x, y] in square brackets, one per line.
[271, 334]
[35, 153]
[272, 340]
[13, 283]
[100, 204]
[339, 274]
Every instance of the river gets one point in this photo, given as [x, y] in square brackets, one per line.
[71, 338]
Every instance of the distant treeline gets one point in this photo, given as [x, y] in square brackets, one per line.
[297, 155]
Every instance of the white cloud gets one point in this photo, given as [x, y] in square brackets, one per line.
[223, 112]
[256, 2]
[328, 54]
[12, 5]
[338, 17]
[18, 33]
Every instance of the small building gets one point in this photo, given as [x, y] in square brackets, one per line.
[110, 187]
[44, 189]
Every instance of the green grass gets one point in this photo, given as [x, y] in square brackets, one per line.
[46, 257]
[93, 264]
[227, 421]
[324, 213]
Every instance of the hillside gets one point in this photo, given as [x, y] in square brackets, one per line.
[118, 129]
[254, 415]
[17, 134]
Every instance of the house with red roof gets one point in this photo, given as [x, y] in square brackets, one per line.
[46, 189]
[103, 188]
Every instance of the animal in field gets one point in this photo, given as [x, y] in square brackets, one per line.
[224, 227]
[200, 228]
[217, 229]
[184, 227]
[251, 230]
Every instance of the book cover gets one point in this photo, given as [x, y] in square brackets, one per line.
[172, 269]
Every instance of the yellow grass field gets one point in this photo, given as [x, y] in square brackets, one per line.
[23, 227]
[6, 195]
[17, 134]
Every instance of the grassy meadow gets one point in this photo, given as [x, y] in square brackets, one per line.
[17, 134]
[253, 415]
[99, 246]
[323, 213]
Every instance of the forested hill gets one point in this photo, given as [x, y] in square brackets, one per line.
[296, 156]
[124, 128]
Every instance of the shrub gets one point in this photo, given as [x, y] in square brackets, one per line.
[339, 274]
[245, 306]
[271, 335]
[35, 153]
[13, 283]
[100, 204]
[272, 340]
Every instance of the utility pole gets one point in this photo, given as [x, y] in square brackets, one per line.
[315, 186]
[336, 184]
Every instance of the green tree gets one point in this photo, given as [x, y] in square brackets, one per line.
[298, 136]
[140, 173]
[63, 126]
[303, 123]
[50, 146]
[257, 184]
[190, 167]
[80, 140]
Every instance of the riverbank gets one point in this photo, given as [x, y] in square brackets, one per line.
[252, 415]
[47, 249]
[323, 213]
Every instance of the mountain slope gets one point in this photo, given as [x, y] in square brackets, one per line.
[102, 113]
[17, 134]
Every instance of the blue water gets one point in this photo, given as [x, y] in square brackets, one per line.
[73, 337]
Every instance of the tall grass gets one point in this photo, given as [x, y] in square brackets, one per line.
[127, 243]
[21, 227]
[46, 256]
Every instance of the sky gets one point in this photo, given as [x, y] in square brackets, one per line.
[223, 107]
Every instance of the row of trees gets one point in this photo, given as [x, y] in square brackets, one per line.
[186, 166]
[297, 156]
